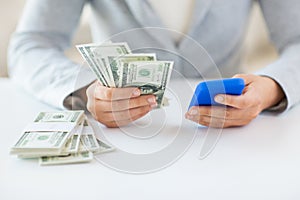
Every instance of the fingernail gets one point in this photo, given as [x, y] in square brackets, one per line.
[153, 105]
[151, 100]
[219, 98]
[188, 116]
[193, 112]
[136, 93]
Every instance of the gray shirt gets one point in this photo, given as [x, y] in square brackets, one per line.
[210, 49]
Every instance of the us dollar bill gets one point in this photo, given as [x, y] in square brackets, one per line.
[73, 142]
[93, 66]
[103, 147]
[88, 141]
[96, 56]
[102, 52]
[64, 116]
[75, 139]
[68, 159]
[48, 134]
[150, 77]
[60, 147]
[71, 146]
[118, 67]
[40, 142]
[117, 63]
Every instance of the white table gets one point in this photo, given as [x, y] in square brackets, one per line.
[258, 161]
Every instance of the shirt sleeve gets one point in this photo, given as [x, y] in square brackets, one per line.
[36, 58]
[283, 21]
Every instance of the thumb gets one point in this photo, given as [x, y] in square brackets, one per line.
[248, 78]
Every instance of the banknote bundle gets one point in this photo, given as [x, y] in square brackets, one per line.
[59, 138]
[115, 66]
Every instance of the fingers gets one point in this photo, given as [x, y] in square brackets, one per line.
[115, 124]
[121, 118]
[248, 78]
[216, 111]
[120, 105]
[238, 110]
[233, 101]
[246, 100]
[116, 107]
[220, 122]
[221, 117]
[111, 94]
[220, 112]
[124, 115]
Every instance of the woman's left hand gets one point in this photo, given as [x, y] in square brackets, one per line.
[259, 93]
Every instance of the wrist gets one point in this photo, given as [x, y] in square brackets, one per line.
[76, 100]
[81, 93]
[272, 91]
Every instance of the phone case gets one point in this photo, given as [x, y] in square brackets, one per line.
[206, 91]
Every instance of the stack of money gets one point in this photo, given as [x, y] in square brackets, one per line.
[115, 66]
[59, 138]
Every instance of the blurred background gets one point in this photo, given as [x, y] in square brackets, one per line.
[257, 51]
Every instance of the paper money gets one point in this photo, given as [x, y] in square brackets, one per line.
[56, 146]
[96, 56]
[103, 147]
[69, 159]
[40, 142]
[151, 77]
[88, 143]
[92, 65]
[113, 50]
[67, 116]
[73, 143]
[48, 133]
[115, 66]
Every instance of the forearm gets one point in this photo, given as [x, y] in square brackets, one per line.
[38, 65]
[78, 99]
[285, 72]
[272, 92]
[36, 52]
[283, 21]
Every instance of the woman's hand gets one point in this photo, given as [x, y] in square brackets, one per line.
[260, 93]
[115, 107]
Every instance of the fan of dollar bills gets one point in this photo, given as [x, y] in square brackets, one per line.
[59, 138]
[115, 66]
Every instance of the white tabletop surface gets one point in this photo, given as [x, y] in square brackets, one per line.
[258, 161]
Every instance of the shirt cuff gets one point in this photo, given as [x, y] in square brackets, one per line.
[69, 100]
[279, 107]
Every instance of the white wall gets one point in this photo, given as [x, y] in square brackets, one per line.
[257, 53]
[11, 10]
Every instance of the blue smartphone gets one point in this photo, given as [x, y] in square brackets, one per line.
[206, 91]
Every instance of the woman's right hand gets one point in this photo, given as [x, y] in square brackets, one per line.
[115, 107]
